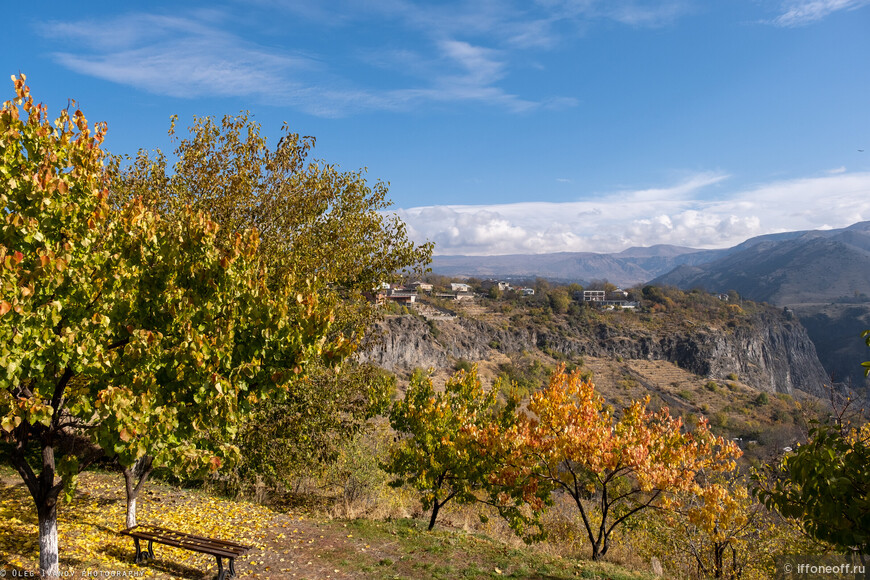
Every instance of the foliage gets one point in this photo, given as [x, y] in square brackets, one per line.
[718, 523]
[97, 509]
[611, 467]
[153, 336]
[464, 365]
[321, 231]
[308, 429]
[866, 364]
[50, 248]
[825, 484]
[717, 531]
[313, 219]
[356, 474]
[559, 300]
[524, 373]
[439, 453]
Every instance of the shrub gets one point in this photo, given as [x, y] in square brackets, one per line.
[463, 365]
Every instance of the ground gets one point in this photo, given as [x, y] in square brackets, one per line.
[288, 542]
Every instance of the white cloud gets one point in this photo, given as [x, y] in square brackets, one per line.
[678, 215]
[802, 12]
[635, 13]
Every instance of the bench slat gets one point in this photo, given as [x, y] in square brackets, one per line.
[191, 542]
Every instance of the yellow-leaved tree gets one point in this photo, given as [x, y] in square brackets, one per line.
[322, 232]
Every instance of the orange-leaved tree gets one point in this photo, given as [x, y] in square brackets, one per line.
[611, 466]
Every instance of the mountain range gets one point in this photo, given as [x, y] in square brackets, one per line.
[796, 268]
[822, 275]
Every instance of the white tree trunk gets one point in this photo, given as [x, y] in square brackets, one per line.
[135, 477]
[131, 512]
[48, 550]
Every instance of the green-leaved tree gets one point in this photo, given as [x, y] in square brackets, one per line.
[440, 452]
[149, 336]
[825, 485]
[323, 229]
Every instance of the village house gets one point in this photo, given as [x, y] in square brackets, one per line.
[594, 295]
[422, 286]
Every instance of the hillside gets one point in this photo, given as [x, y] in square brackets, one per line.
[742, 366]
[289, 541]
[823, 276]
[765, 346]
[818, 266]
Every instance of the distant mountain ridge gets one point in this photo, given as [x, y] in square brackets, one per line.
[786, 269]
[823, 276]
[626, 268]
[783, 268]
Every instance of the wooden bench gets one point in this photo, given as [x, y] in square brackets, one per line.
[220, 549]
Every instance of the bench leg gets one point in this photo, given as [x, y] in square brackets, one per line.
[222, 574]
[232, 567]
[147, 554]
[138, 557]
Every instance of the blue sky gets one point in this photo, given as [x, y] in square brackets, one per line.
[503, 126]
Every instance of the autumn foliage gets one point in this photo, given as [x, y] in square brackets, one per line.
[440, 452]
[123, 333]
[458, 444]
[611, 466]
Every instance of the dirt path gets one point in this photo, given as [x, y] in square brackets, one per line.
[287, 544]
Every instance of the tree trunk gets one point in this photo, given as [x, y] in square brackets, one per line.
[135, 477]
[48, 549]
[44, 492]
[597, 551]
[435, 508]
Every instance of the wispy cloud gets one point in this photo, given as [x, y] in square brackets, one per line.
[190, 57]
[678, 214]
[177, 56]
[802, 12]
[635, 13]
[463, 52]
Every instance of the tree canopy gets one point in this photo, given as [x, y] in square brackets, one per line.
[825, 485]
[328, 226]
[146, 333]
[439, 453]
[610, 466]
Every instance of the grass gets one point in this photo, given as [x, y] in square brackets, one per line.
[288, 543]
[403, 549]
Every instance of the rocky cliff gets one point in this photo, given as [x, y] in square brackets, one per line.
[770, 350]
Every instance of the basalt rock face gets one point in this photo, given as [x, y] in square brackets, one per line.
[771, 353]
[407, 342]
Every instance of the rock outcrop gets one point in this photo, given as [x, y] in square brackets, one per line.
[771, 352]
